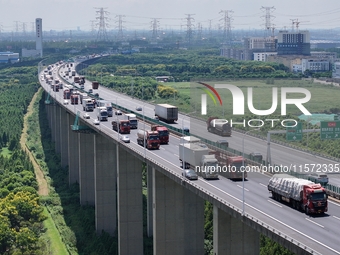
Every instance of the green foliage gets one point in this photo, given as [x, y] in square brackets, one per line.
[269, 247]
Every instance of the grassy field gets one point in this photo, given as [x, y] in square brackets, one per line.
[57, 246]
[323, 97]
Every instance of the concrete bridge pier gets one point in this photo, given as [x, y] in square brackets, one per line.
[73, 153]
[130, 203]
[64, 129]
[232, 236]
[178, 216]
[105, 173]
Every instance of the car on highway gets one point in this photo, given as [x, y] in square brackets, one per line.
[86, 115]
[96, 122]
[125, 138]
[139, 108]
[90, 91]
[96, 95]
[118, 112]
[190, 174]
[65, 102]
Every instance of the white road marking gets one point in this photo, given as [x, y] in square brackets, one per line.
[242, 187]
[315, 223]
[263, 185]
[274, 203]
[176, 155]
[336, 217]
[333, 203]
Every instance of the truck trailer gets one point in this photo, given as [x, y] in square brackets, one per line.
[95, 85]
[87, 105]
[151, 139]
[166, 112]
[301, 194]
[106, 104]
[196, 156]
[219, 126]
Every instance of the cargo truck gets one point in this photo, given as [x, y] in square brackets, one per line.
[196, 156]
[106, 104]
[121, 126]
[87, 105]
[74, 99]
[151, 139]
[166, 112]
[301, 194]
[163, 133]
[219, 126]
[95, 85]
[132, 120]
[67, 94]
[102, 113]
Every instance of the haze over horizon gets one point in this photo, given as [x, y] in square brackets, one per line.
[77, 14]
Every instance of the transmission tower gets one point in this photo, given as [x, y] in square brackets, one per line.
[120, 27]
[93, 26]
[103, 24]
[32, 27]
[210, 29]
[269, 26]
[226, 26]
[155, 29]
[16, 27]
[199, 31]
[189, 27]
[24, 28]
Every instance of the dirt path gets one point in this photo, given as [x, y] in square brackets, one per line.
[43, 187]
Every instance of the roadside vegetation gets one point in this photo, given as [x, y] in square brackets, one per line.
[40, 231]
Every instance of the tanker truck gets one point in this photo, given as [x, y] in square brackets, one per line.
[301, 194]
[218, 126]
[151, 139]
[196, 156]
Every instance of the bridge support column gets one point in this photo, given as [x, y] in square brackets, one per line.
[149, 172]
[232, 236]
[130, 203]
[53, 122]
[64, 129]
[105, 169]
[86, 168]
[57, 128]
[73, 153]
[178, 218]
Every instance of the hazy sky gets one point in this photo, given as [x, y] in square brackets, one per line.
[247, 14]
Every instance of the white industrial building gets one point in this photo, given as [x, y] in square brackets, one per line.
[9, 57]
[38, 52]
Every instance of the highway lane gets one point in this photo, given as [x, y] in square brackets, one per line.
[257, 195]
[280, 155]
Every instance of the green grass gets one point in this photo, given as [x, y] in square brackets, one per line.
[323, 97]
[5, 152]
[57, 247]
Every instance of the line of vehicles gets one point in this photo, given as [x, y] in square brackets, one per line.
[198, 159]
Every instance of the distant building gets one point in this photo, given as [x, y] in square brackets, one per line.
[262, 56]
[324, 44]
[336, 70]
[315, 65]
[38, 52]
[293, 43]
[9, 57]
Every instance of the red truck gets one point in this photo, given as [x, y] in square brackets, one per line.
[121, 126]
[301, 194]
[67, 94]
[74, 99]
[151, 139]
[163, 133]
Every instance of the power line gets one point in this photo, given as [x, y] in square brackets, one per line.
[226, 18]
[190, 25]
[120, 36]
[102, 35]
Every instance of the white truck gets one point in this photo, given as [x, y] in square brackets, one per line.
[196, 155]
[132, 119]
[108, 106]
[166, 112]
[102, 113]
[87, 105]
